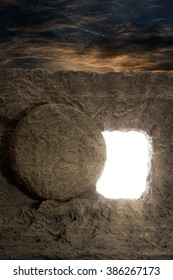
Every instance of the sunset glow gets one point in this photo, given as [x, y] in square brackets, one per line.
[98, 36]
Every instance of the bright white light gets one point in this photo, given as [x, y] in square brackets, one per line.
[127, 165]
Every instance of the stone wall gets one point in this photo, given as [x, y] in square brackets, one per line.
[90, 226]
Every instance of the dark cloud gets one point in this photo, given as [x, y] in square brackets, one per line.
[99, 35]
[9, 2]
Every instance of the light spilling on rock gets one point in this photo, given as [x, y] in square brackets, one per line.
[127, 165]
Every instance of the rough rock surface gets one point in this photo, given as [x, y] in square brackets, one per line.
[90, 227]
[57, 152]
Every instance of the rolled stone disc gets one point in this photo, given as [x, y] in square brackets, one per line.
[57, 152]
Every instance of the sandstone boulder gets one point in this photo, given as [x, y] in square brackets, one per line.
[57, 152]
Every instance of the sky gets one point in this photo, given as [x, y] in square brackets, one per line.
[87, 35]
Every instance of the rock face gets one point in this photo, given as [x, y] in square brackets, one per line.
[89, 226]
[57, 152]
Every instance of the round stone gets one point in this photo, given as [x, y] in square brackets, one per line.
[57, 152]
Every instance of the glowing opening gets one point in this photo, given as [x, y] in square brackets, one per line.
[127, 165]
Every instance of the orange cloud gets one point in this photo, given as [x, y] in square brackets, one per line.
[84, 56]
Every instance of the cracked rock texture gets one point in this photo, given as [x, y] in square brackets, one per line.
[57, 152]
[89, 226]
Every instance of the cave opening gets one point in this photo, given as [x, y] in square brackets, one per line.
[128, 164]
